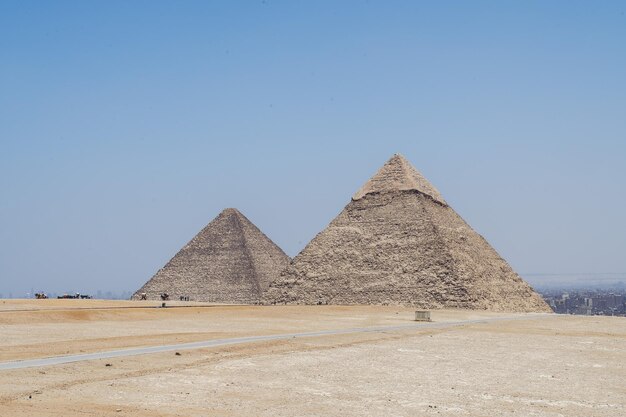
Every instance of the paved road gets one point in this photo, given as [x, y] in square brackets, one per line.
[59, 360]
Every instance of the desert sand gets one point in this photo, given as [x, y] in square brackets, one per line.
[521, 365]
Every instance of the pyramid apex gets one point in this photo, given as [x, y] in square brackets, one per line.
[399, 175]
[229, 211]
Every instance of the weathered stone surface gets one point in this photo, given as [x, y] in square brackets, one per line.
[229, 261]
[398, 175]
[398, 242]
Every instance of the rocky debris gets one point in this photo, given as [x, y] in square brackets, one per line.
[229, 261]
[398, 242]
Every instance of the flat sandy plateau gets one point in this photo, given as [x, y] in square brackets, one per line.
[521, 365]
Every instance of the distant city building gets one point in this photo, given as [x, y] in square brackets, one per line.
[587, 302]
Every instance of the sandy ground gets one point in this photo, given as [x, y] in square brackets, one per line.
[529, 366]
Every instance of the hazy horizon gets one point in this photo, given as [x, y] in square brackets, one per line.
[541, 282]
[127, 127]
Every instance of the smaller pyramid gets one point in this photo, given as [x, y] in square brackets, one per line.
[229, 261]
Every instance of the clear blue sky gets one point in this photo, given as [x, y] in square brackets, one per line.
[126, 126]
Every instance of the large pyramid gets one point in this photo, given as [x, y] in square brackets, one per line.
[229, 261]
[398, 242]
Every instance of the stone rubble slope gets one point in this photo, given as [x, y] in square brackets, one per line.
[398, 242]
[229, 261]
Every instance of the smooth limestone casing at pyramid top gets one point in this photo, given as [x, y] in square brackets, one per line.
[229, 261]
[398, 242]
